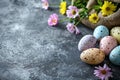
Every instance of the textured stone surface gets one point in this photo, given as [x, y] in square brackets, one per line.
[31, 50]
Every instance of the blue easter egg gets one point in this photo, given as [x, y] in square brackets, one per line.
[100, 32]
[115, 56]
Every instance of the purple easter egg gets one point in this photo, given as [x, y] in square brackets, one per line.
[86, 42]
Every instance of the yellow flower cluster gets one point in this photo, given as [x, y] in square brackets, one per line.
[107, 8]
[93, 18]
[63, 6]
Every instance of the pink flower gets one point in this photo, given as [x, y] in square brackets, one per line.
[72, 28]
[53, 20]
[73, 12]
[77, 30]
[45, 4]
[103, 72]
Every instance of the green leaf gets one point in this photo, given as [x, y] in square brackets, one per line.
[97, 7]
[80, 3]
[84, 13]
[100, 2]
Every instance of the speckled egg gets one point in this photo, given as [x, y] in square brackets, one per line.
[115, 55]
[107, 44]
[100, 32]
[92, 56]
[86, 42]
[115, 32]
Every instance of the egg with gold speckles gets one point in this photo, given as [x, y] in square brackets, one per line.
[115, 56]
[115, 32]
[107, 44]
[100, 32]
[86, 42]
[92, 56]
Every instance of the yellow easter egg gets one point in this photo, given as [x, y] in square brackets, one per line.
[115, 32]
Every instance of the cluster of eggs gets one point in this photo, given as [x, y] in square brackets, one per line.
[109, 45]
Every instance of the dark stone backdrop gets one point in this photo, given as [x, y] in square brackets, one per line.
[31, 50]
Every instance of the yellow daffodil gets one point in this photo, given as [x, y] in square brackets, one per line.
[108, 8]
[63, 7]
[93, 18]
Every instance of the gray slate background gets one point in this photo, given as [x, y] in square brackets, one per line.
[31, 50]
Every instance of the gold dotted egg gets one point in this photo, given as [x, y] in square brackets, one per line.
[92, 56]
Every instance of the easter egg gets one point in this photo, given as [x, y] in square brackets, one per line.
[115, 32]
[86, 42]
[107, 44]
[100, 32]
[92, 56]
[115, 56]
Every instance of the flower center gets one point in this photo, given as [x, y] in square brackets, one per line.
[45, 4]
[73, 12]
[54, 20]
[107, 8]
[94, 18]
[103, 71]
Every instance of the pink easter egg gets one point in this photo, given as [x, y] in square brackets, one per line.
[107, 44]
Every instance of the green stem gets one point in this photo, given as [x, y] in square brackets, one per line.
[54, 4]
[77, 22]
[62, 0]
[62, 20]
[72, 2]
